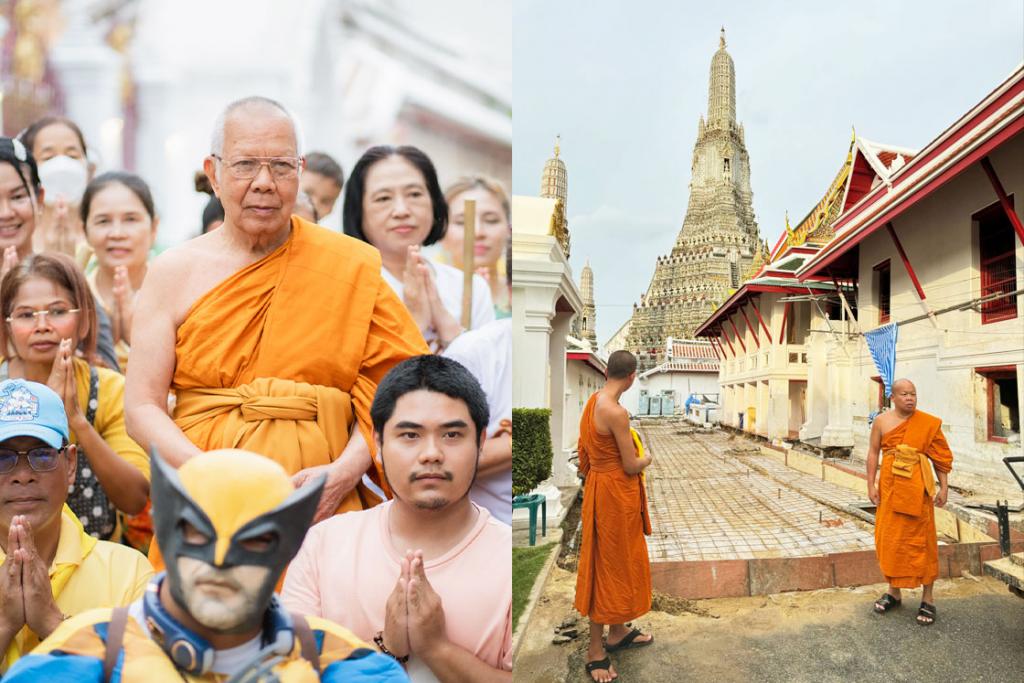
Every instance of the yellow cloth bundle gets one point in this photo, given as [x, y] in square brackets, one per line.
[903, 461]
[639, 448]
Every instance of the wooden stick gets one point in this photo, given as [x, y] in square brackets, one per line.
[468, 258]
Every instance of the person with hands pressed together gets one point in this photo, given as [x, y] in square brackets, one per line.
[432, 585]
[905, 446]
[120, 224]
[21, 195]
[229, 522]
[613, 582]
[271, 331]
[59, 148]
[394, 202]
[48, 311]
[50, 568]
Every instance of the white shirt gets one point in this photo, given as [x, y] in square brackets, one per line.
[487, 353]
[449, 288]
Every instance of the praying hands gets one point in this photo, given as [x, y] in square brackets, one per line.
[26, 597]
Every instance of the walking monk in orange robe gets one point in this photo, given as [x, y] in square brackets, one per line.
[272, 332]
[912, 445]
[613, 583]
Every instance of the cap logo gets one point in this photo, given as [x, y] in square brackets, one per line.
[18, 404]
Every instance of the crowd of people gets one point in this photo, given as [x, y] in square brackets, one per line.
[172, 426]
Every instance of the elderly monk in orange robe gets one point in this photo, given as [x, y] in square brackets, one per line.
[912, 445]
[272, 332]
[613, 582]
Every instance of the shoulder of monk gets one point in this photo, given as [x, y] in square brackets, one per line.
[356, 251]
[927, 417]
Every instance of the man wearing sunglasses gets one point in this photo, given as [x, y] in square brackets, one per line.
[50, 568]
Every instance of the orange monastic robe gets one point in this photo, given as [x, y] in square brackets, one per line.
[281, 356]
[613, 581]
[905, 538]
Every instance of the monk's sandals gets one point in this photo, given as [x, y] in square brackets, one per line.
[886, 603]
[926, 614]
[599, 665]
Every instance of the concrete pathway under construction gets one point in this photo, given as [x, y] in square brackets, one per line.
[713, 496]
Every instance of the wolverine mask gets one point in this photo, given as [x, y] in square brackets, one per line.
[228, 522]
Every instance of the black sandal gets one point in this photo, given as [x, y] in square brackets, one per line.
[927, 611]
[629, 640]
[598, 664]
[887, 602]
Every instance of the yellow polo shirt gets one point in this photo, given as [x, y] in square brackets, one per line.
[102, 575]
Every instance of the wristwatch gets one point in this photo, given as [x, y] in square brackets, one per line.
[378, 640]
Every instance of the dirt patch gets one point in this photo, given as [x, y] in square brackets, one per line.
[670, 604]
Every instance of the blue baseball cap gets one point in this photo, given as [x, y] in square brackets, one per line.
[32, 409]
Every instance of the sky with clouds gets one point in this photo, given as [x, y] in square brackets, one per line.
[624, 84]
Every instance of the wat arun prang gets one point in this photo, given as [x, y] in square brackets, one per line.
[719, 242]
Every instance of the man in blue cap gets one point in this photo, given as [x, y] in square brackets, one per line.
[50, 569]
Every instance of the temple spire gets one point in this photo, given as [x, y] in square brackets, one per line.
[588, 323]
[554, 184]
[722, 88]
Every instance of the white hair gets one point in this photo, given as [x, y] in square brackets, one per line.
[217, 140]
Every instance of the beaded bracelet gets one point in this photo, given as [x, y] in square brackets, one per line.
[378, 640]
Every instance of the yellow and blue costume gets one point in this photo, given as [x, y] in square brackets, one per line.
[227, 499]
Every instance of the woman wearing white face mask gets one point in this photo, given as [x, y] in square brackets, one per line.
[59, 148]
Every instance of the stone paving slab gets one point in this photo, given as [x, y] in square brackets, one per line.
[708, 503]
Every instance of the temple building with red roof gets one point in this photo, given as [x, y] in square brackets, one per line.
[936, 248]
[769, 332]
[930, 241]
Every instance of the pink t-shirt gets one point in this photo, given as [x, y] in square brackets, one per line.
[347, 568]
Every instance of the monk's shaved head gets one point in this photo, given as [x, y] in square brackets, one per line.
[621, 364]
[903, 381]
[254, 105]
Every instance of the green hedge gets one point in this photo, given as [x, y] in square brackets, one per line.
[531, 448]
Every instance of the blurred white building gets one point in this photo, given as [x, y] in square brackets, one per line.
[146, 79]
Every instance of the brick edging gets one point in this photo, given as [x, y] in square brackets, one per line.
[741, 578]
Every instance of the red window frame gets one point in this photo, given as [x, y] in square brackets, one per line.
[881, 392]
[991, 374]
[884, 311]
[998, 268]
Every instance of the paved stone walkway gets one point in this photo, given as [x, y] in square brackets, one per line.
[708, 501]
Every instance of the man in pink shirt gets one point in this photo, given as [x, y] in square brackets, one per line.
[427, 575]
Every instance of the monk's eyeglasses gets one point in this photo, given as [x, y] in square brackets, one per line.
[42, 459]
[247, 168]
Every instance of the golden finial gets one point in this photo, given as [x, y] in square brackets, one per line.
[721, 39]
[789, 230]
[558, 141]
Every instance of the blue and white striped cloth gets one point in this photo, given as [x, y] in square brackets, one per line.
[882, 346]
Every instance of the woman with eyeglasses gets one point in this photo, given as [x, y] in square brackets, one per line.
[394, 202]
[21, 197]
[120, 223]
[47, 312]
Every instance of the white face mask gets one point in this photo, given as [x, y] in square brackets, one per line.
[63, 177]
